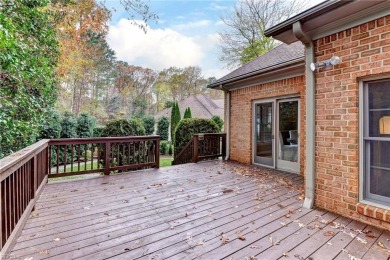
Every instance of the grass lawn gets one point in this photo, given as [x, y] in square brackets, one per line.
[165, 162]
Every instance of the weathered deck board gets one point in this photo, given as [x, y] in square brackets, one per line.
[182, 212]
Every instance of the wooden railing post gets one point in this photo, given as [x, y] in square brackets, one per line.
[107, 158]
[158, 153]
[196, 150]
[223, 147]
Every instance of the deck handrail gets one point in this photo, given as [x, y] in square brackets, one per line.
[22, 178]
[24, 174]
[202, 147]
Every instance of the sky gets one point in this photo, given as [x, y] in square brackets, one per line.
[186, 34]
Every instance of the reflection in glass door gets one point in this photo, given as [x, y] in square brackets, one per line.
[263, 131]
[287, 135]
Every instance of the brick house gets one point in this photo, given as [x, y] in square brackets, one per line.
[319, 105]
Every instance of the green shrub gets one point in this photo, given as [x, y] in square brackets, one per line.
[218, 120]
[188, 127]
[187, 113]
[148, 122]
[170, 149]
[68, 126]
[123, 127]
[52, 128]
[164, 147]
[163, 128]
[85, 125]
[97, 131]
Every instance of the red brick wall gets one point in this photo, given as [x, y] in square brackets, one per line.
[241, 114]
[364, 51]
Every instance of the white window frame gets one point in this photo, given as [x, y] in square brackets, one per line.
[363, 114]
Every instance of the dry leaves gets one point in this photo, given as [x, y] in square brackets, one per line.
[329, 234]
[224, 239]
[273, 241]
[240, 236]
[225, 191]
[289, 214]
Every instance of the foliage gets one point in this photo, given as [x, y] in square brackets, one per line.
[28, 56]
[52, 127]
[164, 147]
[218, 120]
[188, 127]
[68, 126]
[244, 38]
[175, 119]
[85, 125]
[163, 128]
[169, 103]
[123, 127]
[187, 113]
[170, 149]
[97, 131]
[148, 122]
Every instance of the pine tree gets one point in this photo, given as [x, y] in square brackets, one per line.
[187, 113]
[175, 119]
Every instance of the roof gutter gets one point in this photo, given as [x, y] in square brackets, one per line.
[310, 115]
[278, 66]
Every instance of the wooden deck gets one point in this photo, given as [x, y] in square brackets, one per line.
[209, 210]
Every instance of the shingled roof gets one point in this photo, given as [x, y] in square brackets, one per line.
[277, 57]
[201, 107]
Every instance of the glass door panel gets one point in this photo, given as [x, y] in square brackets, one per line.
[263, 133]
[287, 135]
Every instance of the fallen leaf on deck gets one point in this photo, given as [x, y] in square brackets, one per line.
[361, 240]
[127, 249]
[200, 243]
[301, 225]
[282, 223]
[74, 190]
[301, 197]
[280, 206]
[219, 172]
[28, 258]
[44, 252]
[57, 239]
[122, 187]
[224, 239]
[285, 254]
[240, 236]
[227, 191]
[329, 243]
[186, 215]
[254, 247]
[289, 214]
[125, 201]
[329, 234]
[86, 207]
[273, 241]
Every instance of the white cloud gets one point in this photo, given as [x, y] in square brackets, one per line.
[191, 25]
[218, 23]
[157, 49]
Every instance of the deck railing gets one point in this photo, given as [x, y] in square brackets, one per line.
[22, 178]
[24, 174]
[202, 147]
[102, 155]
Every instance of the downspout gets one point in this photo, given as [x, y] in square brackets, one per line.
[310, 115]
[227, 122]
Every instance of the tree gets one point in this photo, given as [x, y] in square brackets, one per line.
[68, 126]
[244, 39]
[163, 128]
[28, 57]
[85, 125]
[187, 113]
[52, 127]
[175, 119]
[148, 124]
[218, 120]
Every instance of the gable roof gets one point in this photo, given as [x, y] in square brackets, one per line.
[279, 56]
[201, 107]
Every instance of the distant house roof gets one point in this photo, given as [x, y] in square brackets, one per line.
[280, 56]
[201, 107]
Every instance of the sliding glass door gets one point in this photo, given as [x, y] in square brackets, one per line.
[276, 134]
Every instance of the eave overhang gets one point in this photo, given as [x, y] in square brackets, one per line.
[330, 17]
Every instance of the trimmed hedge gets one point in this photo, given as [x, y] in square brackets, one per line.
[123, 127]
[188, 127]
[148, 122]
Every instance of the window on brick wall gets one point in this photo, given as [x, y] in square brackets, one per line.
[376, 141]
